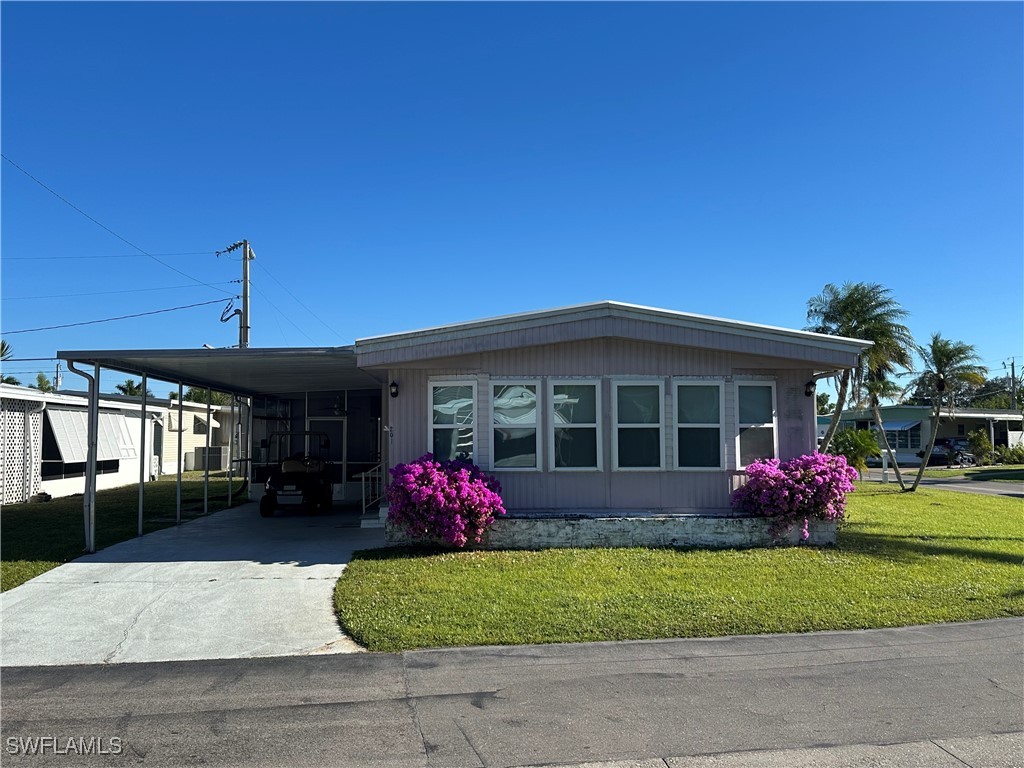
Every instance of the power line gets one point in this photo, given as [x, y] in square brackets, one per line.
[282, 314]
[109, 293]
[298, 301]
[108, 229]
[113, 256]
[112, 319]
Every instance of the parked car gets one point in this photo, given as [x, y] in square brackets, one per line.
[952, 450]
[303, 480]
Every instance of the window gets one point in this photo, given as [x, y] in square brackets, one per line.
[574, 437]
[637, 412]
[698, 410]
[198, 425]
[904, 438]
[514, 425]
[757, 429]
[452, 409]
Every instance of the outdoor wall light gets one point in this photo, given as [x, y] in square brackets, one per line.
[393, 388]
[809, 388]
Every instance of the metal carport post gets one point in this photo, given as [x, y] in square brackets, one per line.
[143, 453]
[89, 497]
[177, 497]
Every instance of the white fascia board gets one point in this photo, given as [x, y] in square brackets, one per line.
[526, 320]
[75, 399]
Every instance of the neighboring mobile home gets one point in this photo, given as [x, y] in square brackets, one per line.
[908, 427]
[45, 439]
[45, 434]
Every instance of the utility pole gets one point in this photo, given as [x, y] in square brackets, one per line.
[243, 326]
[1013, 383]
[243, 314]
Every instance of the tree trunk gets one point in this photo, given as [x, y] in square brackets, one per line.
[885, 442]
[837, 414]
[936, 415]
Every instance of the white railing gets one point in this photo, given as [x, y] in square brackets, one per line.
[372, 481]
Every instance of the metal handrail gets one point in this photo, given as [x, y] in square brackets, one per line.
[374, 478]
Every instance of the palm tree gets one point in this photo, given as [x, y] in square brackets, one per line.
[865, 311]
[43, 383]
[132, 388]
[948, 366]
[5, 354]
[878, 386]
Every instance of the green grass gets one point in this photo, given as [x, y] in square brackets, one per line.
[35, 538]
[1008, 473]
[900, 559]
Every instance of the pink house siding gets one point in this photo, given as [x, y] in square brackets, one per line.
[608, 359]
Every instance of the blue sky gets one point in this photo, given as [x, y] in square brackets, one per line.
[404, 165]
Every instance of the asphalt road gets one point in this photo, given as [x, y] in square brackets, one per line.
[651, 703]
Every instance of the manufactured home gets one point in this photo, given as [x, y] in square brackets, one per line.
[602, 408]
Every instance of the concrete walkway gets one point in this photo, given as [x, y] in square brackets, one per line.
[231, 585]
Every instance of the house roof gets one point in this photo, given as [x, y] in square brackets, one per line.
[79, 399]
[250, 371]
[607, 318]
[997, 414]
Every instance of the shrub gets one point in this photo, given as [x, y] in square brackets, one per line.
[1007, 455]
[980, 445]
[449, 503]
[810, 486]
[857, 446]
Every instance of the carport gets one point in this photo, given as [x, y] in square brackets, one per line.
[273, 390]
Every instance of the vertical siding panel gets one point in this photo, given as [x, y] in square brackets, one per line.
[606, 358]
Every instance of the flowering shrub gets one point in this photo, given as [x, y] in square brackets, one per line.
[787, 492]
[452, 502]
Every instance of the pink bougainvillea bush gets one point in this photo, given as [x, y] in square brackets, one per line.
[794, 491]
[453, 502]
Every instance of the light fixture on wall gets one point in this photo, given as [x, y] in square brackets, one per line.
[393, 388]
[809, 388]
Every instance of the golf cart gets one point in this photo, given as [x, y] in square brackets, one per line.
[303, 479]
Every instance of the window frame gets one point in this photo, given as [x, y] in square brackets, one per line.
[676, 425]
[549, 413]
[536, 426]
[774, 422]
[431, 426]
[615, 426]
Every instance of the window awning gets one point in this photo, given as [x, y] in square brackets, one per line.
[213, 422]
[71, 433]
[900, 426]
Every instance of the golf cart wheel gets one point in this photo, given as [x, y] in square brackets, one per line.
[267, 505]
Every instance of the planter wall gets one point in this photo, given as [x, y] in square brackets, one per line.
[580, 530]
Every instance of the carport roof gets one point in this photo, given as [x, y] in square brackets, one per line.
[250, 371]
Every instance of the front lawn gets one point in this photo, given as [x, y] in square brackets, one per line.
[1001, 473]
[35, 538]
[900, 559]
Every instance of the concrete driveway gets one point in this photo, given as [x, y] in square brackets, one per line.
[231, 585]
